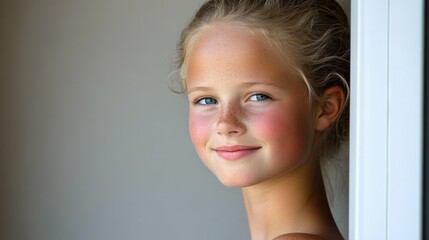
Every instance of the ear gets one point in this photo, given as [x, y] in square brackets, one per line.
[330, 107]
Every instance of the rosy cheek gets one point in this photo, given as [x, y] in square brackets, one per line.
[270, 124]
[199, 128]
[284, 131]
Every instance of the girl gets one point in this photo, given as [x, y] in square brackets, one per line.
[267, 82]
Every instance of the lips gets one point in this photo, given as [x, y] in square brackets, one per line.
[235, 152]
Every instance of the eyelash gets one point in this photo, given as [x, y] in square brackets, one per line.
[265, 96]
[199, 100]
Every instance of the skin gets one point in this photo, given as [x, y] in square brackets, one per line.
[251, 124]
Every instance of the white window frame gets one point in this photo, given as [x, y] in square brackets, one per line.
[386, 143]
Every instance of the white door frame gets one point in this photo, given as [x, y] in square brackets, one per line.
[386, 138]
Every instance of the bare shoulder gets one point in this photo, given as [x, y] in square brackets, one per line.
[299, 236]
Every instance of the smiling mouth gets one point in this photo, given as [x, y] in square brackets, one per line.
[235, 152]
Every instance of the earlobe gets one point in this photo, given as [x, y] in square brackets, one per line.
[330, 107]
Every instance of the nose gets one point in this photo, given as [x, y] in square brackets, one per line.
[230, 122]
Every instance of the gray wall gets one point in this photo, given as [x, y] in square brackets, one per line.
[92, 143]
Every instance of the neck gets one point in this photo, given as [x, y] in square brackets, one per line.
[294, 202]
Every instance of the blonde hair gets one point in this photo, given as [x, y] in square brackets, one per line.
[313, 34]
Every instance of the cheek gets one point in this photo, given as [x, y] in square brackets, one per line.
[269, 125]
[287, 132]
[272, 125]
[199, 128]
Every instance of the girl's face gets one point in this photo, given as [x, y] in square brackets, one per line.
[249, 116]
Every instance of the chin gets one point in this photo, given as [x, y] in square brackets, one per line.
[237, 181]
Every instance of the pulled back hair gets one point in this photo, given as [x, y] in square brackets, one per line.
[313, 35]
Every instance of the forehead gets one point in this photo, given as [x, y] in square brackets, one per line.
[232, 49]
[225, 36]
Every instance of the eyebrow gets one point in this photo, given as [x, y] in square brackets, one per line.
[194, 89]
[270, 83]
[245, 84]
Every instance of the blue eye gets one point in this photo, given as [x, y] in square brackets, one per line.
[259, 97]
[206, 101]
